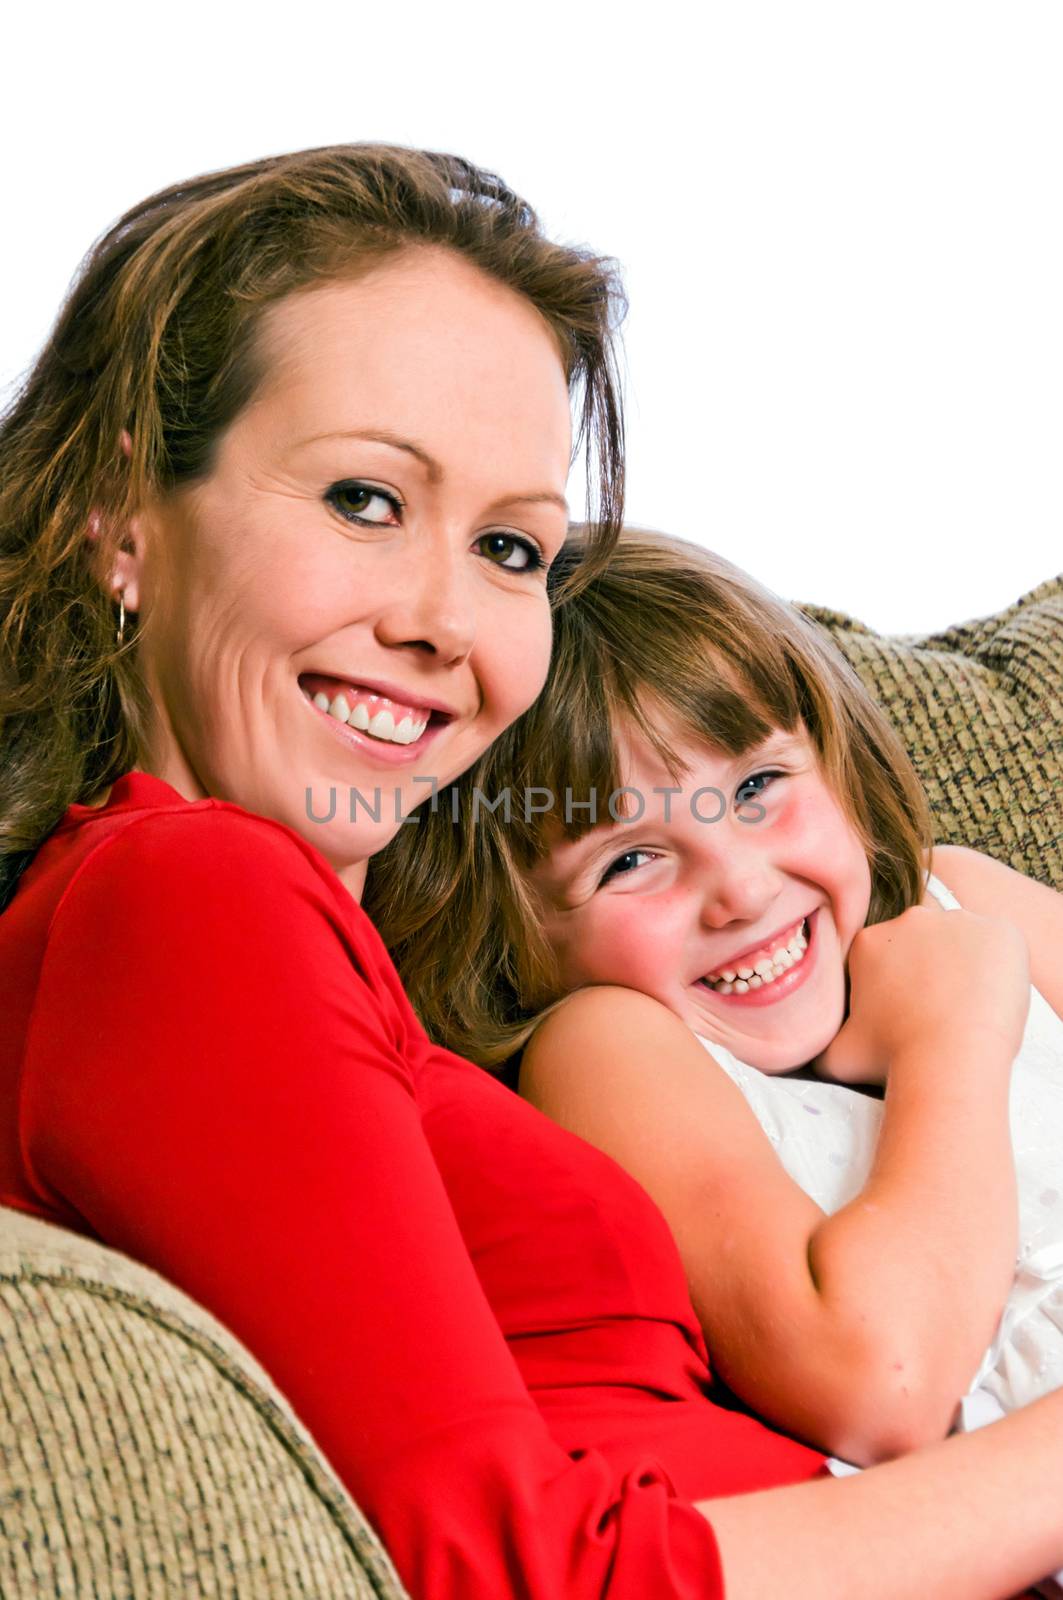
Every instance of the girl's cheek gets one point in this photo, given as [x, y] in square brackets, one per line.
[813, 821]
[642, 950]
[614, 946]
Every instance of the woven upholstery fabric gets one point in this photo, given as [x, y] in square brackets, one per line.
[980, 709]
[144, 1453]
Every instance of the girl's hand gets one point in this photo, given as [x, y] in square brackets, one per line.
[922, 977]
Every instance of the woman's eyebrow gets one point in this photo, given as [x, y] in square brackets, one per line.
[545, 497]
[434, 469]
[385, 436]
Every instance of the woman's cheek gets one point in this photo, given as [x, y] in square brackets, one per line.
[520, 658]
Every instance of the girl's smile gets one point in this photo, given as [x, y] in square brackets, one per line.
[739, 922]
[769, 971]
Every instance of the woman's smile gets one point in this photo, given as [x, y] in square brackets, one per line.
[386, 722]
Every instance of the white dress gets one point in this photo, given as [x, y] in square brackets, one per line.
[825, 1135]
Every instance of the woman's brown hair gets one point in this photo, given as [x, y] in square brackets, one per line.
[157, 338]
[667, 628]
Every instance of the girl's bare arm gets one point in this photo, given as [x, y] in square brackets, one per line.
[859, 1331]
[978, 1516]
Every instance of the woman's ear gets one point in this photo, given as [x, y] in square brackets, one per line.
[123, 576]
[125, 570]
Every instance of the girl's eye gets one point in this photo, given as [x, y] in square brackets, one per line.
[498, 547]
[361, 503]
[623, 865]
[755, 786]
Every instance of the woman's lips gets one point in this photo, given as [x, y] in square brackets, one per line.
[379, 750]
[781, 988]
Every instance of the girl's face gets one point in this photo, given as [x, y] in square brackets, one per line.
[733, 899]
[372, 541]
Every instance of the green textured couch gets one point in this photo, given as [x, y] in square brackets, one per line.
[980, 709]
[143, 1452]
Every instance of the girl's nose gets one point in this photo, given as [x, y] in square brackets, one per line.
[431, 603]
[740, 885]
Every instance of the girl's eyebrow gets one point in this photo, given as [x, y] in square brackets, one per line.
[781, 741]
[598, 841]
[571, 859]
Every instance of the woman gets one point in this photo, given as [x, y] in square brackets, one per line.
[308, 421]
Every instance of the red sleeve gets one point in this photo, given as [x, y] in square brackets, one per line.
[214, 1087]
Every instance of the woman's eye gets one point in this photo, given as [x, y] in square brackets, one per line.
[499, 547]
[361, 502]
[623, 865]
[755, 786]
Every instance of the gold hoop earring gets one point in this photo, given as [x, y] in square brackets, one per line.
[121, 615]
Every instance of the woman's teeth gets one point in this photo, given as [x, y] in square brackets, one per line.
[379, 726]
[763, 968]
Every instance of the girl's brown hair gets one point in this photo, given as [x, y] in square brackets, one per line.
[157, 337]
[666, 627]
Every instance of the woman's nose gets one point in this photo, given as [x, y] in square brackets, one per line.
[431, 606]
[740, 885]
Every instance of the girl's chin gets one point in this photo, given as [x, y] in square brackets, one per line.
[786, 1058]
[787, 1053]
[776, 1068]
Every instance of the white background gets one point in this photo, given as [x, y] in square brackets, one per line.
[841, 227]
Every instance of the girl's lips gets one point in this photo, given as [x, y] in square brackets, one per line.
[380, 750]
[781, 988]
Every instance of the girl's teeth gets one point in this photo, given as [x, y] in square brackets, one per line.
[381, 726]
[765, 970]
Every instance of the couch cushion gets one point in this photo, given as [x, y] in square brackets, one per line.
[143, 1451]
[980, 709]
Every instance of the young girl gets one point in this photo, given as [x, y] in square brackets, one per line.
[849, 1258]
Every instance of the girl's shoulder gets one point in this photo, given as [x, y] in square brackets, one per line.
[947, 865]
[990, 888]
[981, 884]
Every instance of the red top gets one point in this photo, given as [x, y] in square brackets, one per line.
[209, 1063]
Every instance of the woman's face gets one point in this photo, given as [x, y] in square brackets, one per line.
[372, 540]
[733, 900]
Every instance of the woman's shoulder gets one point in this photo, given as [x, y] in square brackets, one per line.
[205, 877]
[210, 840]
[216, 864]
